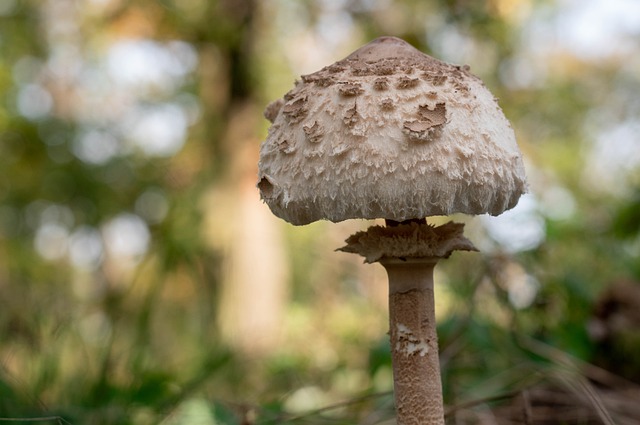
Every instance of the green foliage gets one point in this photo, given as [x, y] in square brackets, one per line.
[626, 223]
[101, 324]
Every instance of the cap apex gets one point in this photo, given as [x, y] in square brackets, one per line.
[385, 47]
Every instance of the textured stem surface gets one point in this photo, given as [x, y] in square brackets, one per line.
[409, 251]
[414, 342]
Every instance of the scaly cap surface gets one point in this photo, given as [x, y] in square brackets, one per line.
[388, 132]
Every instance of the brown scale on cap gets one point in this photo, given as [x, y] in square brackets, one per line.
[272, 110]
[314, 132]
[295, 110]
[350, 89]
[407, 82]
[386, 104]
[381, 83]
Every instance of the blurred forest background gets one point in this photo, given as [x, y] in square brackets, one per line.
[142, 281]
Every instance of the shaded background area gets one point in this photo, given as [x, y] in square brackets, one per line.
[143, 282]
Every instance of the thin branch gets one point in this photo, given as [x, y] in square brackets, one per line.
[527, 411]
[581, 386]
[453, 409]
[338, 405]
[58, 419]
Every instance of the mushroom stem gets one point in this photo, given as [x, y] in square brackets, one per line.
[414, 342]
[409, 251]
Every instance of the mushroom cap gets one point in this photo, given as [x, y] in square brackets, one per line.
[388, 132]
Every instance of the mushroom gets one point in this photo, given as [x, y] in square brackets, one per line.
[390, 132]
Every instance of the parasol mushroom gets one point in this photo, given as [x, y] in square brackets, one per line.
[390, 132]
